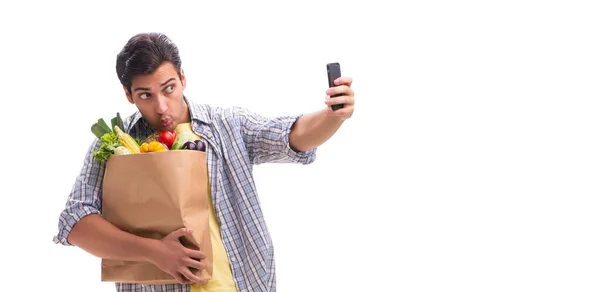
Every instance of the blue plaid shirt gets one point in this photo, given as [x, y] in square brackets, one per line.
[237, 140]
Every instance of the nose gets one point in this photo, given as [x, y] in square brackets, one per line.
[161, 106]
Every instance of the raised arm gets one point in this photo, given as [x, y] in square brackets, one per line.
[267, 140]
[312, 130]
[295, 138]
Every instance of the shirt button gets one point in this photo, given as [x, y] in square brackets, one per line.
[233, 259]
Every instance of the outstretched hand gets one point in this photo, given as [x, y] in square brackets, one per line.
[343, 87]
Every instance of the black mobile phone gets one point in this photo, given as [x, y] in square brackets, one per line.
[334, 72]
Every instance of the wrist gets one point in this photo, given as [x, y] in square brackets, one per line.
[148, 249]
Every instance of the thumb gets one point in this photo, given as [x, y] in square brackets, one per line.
[180, 232]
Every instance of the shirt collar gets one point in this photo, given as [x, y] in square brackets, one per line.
[197, 111]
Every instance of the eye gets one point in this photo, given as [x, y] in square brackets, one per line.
[144, 96]
[170, 88]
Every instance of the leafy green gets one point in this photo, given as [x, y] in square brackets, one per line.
[110, 142]
[108, 137]
[104, 126]
[98, 130]
[120, 122]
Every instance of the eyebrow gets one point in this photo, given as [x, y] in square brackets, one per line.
[148, 89]
[164, 83]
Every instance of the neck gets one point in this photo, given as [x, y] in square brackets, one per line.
[186, 118]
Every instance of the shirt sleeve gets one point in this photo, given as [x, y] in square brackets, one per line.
[85, 196]
[268, 139]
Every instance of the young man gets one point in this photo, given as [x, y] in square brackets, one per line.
[149, 68]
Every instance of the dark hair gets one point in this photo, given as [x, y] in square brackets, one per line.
[143, 54]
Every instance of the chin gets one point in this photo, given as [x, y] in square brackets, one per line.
[170, 127]
[157, 127]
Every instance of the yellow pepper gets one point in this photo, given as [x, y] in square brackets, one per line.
[153, 146]
[144, 147]
[156, 146]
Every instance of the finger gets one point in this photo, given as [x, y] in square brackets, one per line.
[344, 99]
[195, 254]
[192, 263]
[180, 232]
[343, 81]
[189, 241]
[181, 279]
[190, 276]
[342, 89]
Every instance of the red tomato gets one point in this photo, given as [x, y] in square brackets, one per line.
[167, 138]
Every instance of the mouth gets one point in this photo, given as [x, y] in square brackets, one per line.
[165, 123]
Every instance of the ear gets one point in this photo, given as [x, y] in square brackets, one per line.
[183, 81]
[128, 95]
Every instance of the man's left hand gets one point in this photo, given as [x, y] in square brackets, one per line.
[343, 87]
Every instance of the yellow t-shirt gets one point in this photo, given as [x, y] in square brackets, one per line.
[222, 278]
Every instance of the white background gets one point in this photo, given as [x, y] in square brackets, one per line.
[471, 163]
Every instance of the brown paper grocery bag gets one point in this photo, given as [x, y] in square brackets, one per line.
[151, 195]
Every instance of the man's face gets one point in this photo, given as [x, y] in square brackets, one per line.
[159, 97]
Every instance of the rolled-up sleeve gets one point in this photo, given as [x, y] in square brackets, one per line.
[85, 196]
[268, 139]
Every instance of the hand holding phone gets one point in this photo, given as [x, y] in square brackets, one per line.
[334, 72]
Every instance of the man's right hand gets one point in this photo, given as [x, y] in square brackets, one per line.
[174, 258]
